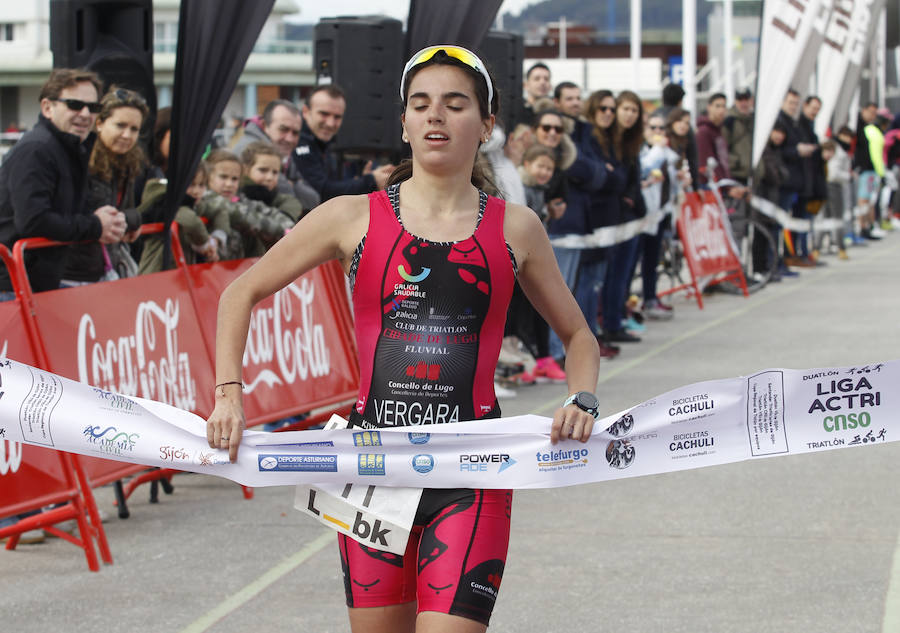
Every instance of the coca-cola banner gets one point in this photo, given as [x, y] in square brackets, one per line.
[152, 337]
[137, 336]
[300, 351]
[707, 246]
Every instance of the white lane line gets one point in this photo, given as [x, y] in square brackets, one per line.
[245, 594]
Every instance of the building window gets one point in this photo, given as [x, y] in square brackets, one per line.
[7, 32]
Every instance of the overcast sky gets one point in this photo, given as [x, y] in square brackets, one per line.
[314, 10]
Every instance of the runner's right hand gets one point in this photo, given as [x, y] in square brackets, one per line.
[226, 425]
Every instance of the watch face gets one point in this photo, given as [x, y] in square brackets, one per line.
[587, 401]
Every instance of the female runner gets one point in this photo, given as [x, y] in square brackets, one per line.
[431, 253]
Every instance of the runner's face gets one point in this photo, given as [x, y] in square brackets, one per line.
[627, 114]
[119, 131]
[442, 118]
[324, 115]
[224, 178]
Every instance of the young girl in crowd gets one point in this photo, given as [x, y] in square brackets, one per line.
[419, 235]
[538, 165]
[255, 226]
[204, 243]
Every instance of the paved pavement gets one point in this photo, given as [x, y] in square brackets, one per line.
[804, 543]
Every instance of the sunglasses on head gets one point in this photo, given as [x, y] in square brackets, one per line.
[606, 108]
[77, 105]
[128, 97]
[464, 55]
[551, 128]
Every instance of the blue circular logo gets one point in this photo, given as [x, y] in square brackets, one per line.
[423, 463]
[418, 438]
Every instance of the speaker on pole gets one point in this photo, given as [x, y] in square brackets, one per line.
[364, 56]
[504, 53]
[114, 38]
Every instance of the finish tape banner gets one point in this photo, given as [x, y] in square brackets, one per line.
[773, 412]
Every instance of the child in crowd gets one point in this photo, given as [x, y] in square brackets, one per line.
[205, 243]
[538, 163]
[261, 166]
[838, 171]
[257, 224]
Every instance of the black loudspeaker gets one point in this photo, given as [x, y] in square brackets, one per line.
[503, 53]
[364, 56]
[112, 38]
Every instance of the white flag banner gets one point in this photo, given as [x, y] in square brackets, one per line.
[860, 39]
[806, 67]
[773, 412]
[787, 28]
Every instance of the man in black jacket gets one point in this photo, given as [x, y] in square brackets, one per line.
[323, 114]
[795, 192]
[43, 180]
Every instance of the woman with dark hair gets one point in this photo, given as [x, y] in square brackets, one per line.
[431, 250]
[592, 179]
[116, 161]
[678, 131]
[550, 131]
[627, 136]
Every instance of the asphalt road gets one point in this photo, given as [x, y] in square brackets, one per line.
[804, 543]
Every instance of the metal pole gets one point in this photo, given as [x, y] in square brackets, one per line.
[728, 36]
[689, 55]
[563, 38]
[636, 44]
[881, 58]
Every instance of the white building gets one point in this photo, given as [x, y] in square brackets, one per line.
[276, 68]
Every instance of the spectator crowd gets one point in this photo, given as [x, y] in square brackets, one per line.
[581, 162]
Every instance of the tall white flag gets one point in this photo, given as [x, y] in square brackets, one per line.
[848, 36]
[788, 26]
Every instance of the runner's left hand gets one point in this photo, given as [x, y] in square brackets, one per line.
[570, 422]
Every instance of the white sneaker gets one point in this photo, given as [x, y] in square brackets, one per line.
[502, 392]
[878, 231]
[895, 222]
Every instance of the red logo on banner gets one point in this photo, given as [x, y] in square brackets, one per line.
[708, 247]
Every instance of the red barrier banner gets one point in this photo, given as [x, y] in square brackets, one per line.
[137, 336]
[708, 248]
[13, 335]
[300, 352]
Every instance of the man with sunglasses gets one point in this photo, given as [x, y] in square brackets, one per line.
[43, 180]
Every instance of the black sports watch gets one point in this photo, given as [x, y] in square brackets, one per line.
[586, 401]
